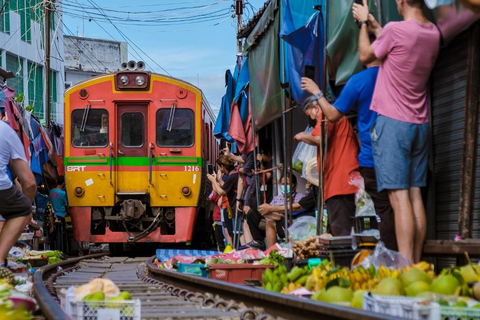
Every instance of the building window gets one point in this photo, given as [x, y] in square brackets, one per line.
[15, 65]
[23, 10]
[35, 89]
[175, 129]
[4, 16]
[53, 93]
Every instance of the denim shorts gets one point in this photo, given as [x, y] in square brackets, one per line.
[400, 153]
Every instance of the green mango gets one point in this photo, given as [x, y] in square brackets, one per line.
[96, 296]
[125, 295]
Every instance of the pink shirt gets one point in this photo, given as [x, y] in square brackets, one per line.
[408, 50]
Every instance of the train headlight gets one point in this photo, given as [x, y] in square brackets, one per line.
[124, 80]
[186, 191]
[79, 191]
[140, 80]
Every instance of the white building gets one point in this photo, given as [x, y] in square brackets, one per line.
[22, 51]
[85, 57]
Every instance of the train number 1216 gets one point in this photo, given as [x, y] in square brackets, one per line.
[192, 168]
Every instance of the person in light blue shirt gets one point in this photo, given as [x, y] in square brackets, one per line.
[58, 198]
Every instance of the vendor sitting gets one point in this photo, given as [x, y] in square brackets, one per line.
[303, 204]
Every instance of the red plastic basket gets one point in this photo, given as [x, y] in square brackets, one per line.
[237, 273]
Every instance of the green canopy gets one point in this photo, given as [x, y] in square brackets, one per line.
[262, 46]
[342, 35]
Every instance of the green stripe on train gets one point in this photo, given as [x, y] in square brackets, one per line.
[132, 161]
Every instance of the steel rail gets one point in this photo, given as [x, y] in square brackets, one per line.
[275, 304]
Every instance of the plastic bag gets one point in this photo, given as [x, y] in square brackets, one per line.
[363, 201]
[302, 228]
[303, 153]
[383, 256]
[310, 171]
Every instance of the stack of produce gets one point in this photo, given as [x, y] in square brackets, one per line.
[14, 310]
[307, 248]
[282, 281]
[456, 286]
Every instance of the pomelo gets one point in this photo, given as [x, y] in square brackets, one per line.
[390, 287]
[417, 288]
[414, 275]
[446, 284]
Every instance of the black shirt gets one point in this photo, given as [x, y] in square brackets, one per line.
[230, 187]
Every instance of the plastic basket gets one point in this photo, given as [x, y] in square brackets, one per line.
[191, 268]
[237, 273]
[100, 310]
[341, 257]
[459, 313]
[403, 307]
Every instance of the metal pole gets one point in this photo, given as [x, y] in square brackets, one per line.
[289, 159]
[320, 199]
[285, 163]
[239, 12]
[46, 10]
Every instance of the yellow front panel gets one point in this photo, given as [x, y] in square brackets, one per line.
[168, 186]
[98, 191]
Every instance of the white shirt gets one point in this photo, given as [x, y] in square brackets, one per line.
[10, 148]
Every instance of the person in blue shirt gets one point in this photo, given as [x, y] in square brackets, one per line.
[58, 200]
[357, 96]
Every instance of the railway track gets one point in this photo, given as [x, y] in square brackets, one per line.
[170, 295]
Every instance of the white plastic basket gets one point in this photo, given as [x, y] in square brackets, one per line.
[100, 310]
[404, 307]
[459, 313]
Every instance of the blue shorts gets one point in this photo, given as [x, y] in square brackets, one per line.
[400, 153]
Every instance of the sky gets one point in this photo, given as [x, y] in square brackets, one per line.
[194, 40]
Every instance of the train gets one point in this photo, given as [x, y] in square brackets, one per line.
[137, 147]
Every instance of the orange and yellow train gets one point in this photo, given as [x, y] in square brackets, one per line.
[137, 145]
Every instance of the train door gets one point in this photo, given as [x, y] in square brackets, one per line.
[132, 149]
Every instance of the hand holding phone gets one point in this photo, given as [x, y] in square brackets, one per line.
[210, 169]
[310, 72]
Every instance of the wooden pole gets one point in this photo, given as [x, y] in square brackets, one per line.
[47, 10]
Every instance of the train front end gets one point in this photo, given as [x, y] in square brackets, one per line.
[133, 163]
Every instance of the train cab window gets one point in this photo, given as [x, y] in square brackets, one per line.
[132, 129]
[175, 129]
[89, 127]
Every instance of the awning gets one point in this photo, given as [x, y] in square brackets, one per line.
[305, 47]
[342, 35]
[262, 46]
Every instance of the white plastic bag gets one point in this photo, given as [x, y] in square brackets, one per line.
[383, 256]
[363, 201]
[302, 228]
[303, 153]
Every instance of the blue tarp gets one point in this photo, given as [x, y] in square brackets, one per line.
[305, 46]
[165, 254]
[236, 90]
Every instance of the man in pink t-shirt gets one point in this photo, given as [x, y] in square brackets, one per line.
[408, 50]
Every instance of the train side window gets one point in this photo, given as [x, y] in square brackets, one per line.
[132, 129]
[93, 132]
[182, 128]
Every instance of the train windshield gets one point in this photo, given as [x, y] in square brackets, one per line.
[89, 128]
[181, 133]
